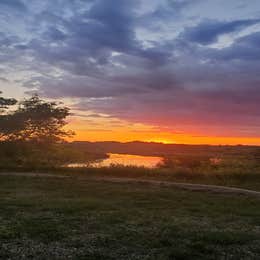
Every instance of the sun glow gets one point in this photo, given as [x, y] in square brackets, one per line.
[128, 136]
[107, 129]
[161, 140]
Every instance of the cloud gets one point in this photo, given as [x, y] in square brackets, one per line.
[245, 48]
[4, 79]
[178, 5]
[13, 4]
[207, 32]
[94, 52]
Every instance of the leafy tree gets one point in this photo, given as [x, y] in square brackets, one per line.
[36, 121]
[32, 136]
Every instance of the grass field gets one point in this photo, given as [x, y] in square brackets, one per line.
[67, 218]
[248, 179]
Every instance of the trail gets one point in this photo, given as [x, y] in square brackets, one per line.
[185, 186]
[31, 174]
[177, 185]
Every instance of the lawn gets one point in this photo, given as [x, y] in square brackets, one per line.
[68, 218]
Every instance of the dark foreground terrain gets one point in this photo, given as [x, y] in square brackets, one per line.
[67, 218]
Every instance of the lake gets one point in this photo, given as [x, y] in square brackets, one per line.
[123, 159]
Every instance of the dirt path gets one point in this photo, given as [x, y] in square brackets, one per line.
[183, 186]
[31, 174]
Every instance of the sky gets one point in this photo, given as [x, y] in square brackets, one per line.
[173, 71]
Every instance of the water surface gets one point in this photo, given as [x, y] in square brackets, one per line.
[125, 160]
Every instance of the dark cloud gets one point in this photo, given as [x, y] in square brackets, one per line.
[7, 41]
[244, 48]
[208, 31]
[13, 4]
[88, 39]
[178, 5]
[54, 34]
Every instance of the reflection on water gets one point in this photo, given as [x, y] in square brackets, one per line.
[124, 159]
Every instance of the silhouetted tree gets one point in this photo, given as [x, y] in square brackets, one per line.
[32, 134]
[35, 120]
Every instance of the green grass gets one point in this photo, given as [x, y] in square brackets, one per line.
[51, 218]
[247, 180]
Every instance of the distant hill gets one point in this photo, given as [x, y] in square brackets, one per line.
[159, 149]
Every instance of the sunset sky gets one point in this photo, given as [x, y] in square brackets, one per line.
[173, 71]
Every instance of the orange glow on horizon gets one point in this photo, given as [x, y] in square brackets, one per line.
[102, 130]
[166, 138]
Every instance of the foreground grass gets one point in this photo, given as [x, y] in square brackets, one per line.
[51, 218]
[240, 179]
[231, 177]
